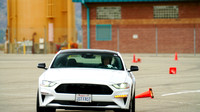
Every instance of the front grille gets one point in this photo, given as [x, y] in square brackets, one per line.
[83, 104]
[84, 89]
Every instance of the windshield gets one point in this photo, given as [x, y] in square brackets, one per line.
[88, 60]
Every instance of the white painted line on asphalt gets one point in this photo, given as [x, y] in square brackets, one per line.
[183, 92]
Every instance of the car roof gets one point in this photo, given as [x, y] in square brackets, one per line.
[88, 50]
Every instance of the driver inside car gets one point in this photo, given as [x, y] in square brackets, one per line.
[106, 62]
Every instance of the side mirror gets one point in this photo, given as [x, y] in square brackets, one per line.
[133, 68]
[42, 65]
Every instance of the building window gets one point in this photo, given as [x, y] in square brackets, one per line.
[104, 32]
[166, 12]
[108, 13]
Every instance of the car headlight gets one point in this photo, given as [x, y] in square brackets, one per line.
[121, 86]
[46, 83]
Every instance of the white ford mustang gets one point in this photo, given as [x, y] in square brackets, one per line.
[86, 79]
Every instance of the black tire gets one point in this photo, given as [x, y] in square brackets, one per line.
[133, 102]
[43, 109]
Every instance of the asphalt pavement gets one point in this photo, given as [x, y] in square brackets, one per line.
[178, 92]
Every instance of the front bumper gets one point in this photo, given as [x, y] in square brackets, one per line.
[48, 97]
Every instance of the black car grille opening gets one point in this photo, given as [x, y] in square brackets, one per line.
[43, 97]
[83, 104]
[84, 89]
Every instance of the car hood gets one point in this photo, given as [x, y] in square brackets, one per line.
[84, 75]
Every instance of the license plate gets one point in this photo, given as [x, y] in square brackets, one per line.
[83, 98]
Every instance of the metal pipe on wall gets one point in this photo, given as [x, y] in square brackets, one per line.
[156, 41]
[88, 24]
[194, 41]
[118, 39]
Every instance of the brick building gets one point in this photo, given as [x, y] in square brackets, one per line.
[142, 26]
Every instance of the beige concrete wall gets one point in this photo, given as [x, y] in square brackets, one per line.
[29, 20]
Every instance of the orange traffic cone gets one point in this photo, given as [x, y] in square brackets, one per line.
[134, 60]
[176, 57]
[146, 94]
[172, 70]
[138, 60]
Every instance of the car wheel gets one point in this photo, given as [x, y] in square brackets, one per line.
[132, 104]
[43, 109]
